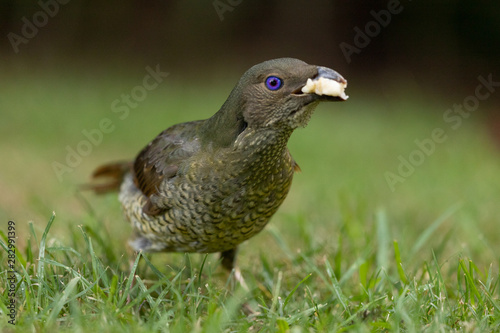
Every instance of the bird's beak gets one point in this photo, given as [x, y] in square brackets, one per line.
[328, 84]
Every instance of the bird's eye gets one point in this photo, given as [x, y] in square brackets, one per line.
[273, 83]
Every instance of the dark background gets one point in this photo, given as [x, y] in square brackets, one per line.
[441, 46]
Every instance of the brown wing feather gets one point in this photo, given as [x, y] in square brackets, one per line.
[148, 171]
[161, 158]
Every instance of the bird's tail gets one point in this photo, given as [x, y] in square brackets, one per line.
[108, 177]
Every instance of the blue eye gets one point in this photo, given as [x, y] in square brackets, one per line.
[273, 83]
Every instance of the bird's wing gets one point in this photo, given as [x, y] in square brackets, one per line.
[161, 158]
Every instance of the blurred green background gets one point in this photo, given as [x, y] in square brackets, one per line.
[64, 65]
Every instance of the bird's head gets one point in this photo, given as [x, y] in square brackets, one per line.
[279, 94]
[284, 92]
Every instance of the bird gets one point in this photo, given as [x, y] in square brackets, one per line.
[208, 185]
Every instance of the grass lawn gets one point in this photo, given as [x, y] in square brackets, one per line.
[348, 250]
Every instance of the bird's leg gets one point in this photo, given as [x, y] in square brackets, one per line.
[228, 259]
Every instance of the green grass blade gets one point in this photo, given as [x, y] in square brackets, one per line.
[383, 239]
[41, 265]
[276, 291]
[337, 288]
[397, 255]
[130, 279]
[289, 297]
[470, 282]
[424, 236]
[62, 300]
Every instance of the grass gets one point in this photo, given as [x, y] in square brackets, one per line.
[344, 253]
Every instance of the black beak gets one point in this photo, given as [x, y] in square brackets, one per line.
[330, 74]
[326, 85]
